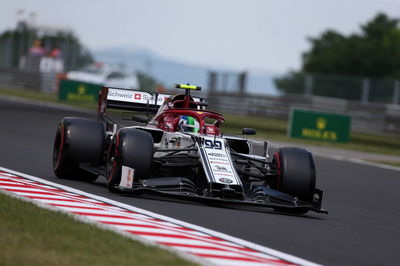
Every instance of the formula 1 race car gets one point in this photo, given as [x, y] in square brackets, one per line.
[179, 151]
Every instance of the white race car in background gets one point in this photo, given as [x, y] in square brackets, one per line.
[106, 75]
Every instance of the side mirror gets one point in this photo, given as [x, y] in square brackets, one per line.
[248, 131]
[141, 119]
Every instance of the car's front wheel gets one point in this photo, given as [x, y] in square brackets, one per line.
[133, 148]
[295, 174]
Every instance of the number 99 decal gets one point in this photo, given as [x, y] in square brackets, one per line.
[213, 144]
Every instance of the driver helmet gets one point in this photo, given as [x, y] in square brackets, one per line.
[188, 124]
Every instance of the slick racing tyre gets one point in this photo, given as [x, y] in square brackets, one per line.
[133, 148]
[78, 140]
[296, 172]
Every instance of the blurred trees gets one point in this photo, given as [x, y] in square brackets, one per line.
[372, 53]
[146, 82]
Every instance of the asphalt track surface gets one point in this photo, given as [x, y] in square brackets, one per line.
[362, 227]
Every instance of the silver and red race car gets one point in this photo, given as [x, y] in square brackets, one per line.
[179, 151]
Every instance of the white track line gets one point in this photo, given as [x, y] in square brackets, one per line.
[357, 161]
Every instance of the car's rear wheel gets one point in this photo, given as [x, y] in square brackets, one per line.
[78, 140]
[133, 148]
[296, 173]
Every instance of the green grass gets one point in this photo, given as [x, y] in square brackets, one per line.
[270, 129]
[41, 96]
[273, 129]
[30, 235]
[37, 95]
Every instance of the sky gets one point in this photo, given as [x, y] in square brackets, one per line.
[255, 35]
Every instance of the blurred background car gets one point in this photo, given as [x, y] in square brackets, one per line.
[107, 75]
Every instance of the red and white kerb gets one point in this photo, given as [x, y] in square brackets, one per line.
[142, 224]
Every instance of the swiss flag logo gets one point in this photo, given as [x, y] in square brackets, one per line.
[138, 96]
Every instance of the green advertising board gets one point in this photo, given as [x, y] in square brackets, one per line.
[78, 92]
[314, 125]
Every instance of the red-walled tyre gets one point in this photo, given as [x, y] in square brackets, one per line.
[130, 147]
[78, 140]
[296, 169]
[296, 174]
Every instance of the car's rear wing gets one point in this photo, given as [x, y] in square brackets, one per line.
[132, 100]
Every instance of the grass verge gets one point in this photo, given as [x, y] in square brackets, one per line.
[30, 94]
[273, 129]
[30, 235]
[41, 96]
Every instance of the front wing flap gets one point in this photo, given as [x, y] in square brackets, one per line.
[272, 199]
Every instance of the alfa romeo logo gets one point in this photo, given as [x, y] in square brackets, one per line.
[225, 180]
